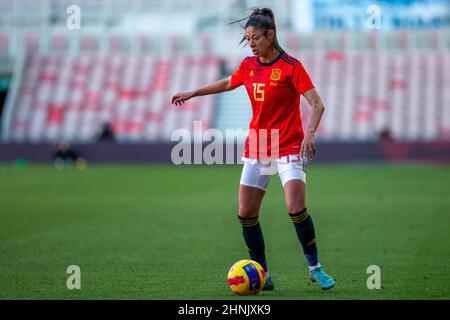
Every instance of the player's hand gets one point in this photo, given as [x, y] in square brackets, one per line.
[308, 147]
[181, 97]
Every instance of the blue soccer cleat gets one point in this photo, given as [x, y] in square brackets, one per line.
[269, 282]
[325, 281]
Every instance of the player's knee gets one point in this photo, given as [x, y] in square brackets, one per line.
[248, 211]
[295, 207]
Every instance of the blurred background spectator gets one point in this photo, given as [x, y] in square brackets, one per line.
[106, 135]
[66, 157]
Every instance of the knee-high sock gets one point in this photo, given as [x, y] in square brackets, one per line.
[304, 228]
[251, 230]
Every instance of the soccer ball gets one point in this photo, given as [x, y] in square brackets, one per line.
[246, 277]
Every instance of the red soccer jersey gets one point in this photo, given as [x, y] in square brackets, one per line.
[274, 89]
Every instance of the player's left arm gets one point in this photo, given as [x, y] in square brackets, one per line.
[309, 144]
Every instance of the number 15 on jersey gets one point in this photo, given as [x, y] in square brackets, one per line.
[258, 91]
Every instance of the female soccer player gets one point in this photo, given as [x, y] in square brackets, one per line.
[274, 82]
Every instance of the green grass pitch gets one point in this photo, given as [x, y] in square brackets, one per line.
[171, 232]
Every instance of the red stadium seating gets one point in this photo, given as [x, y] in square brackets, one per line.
[72, 97]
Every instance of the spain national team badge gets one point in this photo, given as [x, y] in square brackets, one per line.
[275, 75]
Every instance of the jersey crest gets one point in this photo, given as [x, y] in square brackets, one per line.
[275, 75]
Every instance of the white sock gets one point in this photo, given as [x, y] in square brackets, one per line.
[311, 268]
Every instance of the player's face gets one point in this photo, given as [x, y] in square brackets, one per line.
[258, 43]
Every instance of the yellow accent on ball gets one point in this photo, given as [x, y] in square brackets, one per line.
[239, 281]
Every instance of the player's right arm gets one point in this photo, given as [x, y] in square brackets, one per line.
[216, 87]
